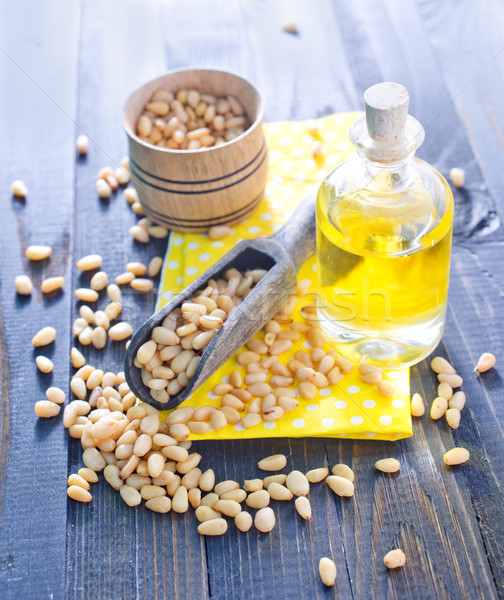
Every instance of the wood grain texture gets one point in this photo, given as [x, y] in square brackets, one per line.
[448, 521]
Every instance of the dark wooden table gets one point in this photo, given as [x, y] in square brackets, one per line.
[66, 68]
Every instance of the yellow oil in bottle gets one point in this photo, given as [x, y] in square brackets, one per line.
[382, 274]
[384, 229]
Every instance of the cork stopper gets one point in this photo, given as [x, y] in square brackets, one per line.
[386, 111]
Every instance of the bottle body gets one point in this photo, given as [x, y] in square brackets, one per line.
[383, 259]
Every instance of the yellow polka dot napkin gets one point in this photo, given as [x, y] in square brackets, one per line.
[350, 409]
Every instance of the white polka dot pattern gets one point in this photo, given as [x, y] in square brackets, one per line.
[352, 408]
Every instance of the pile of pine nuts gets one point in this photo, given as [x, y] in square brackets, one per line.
[168, 361]
[190, 120]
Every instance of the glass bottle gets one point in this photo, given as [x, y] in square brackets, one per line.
[384, 230]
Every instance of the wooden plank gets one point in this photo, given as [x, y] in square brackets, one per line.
[36, 119]
[112, 549]
[471, 79]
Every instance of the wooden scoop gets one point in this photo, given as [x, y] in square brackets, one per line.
[282, 254]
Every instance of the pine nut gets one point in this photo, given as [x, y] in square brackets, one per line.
[226, 486]
[124, 278]
[131, 195]
[372, 377]
[46, 409]
[159, 504]
[112, 476]
[485, 362]
[442, 366]
[44, 337]
[386, 388]
[219, 232]
[279, 347]
[238, 495]
[438, 408]
[458, 400]
[454, 381]
[457, 177]
[259, 389]
[19, 189]
[317, 475]
[277, 491]
[213, 527]
[114, 293]
[230, 508]
[194, 496]
[90, 262]
[23, 285]
[155, 266]
[340, 485]
[280, 478]
[327, 571]
[86, 295]
[52, 284]
[82, 144]
[120, 331]
[456, 456]
[93, 459]
[44, 364]
[264, 520]
[251, 420]
[444, 390]
[287, 403]
[258, 499]
[209, 500]
[453, 417]
[388, 465]
[243, 521]
[206, 513]
[142, 285]
[207, 480]
[303, 507]
[78, 493]
[315, 338]
[38, 252]
[103, 189]
[88, 474]
[179, 431]
[417, 405]
[345, 471]
[139, 234]
[297, 483]
[394, 559]
[307, 390]
[180, 501]
[276, 462]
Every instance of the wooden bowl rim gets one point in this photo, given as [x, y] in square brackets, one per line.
[257, 122]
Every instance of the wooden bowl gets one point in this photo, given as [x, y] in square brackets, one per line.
[193, 190]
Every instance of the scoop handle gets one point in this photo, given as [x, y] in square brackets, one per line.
[297, 237]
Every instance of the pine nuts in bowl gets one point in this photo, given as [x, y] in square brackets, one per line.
[198, 156]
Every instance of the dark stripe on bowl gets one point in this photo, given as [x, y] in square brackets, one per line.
[194, 192]
[139, 168]
[195, 224]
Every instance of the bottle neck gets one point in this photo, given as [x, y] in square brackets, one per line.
[379, 174]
